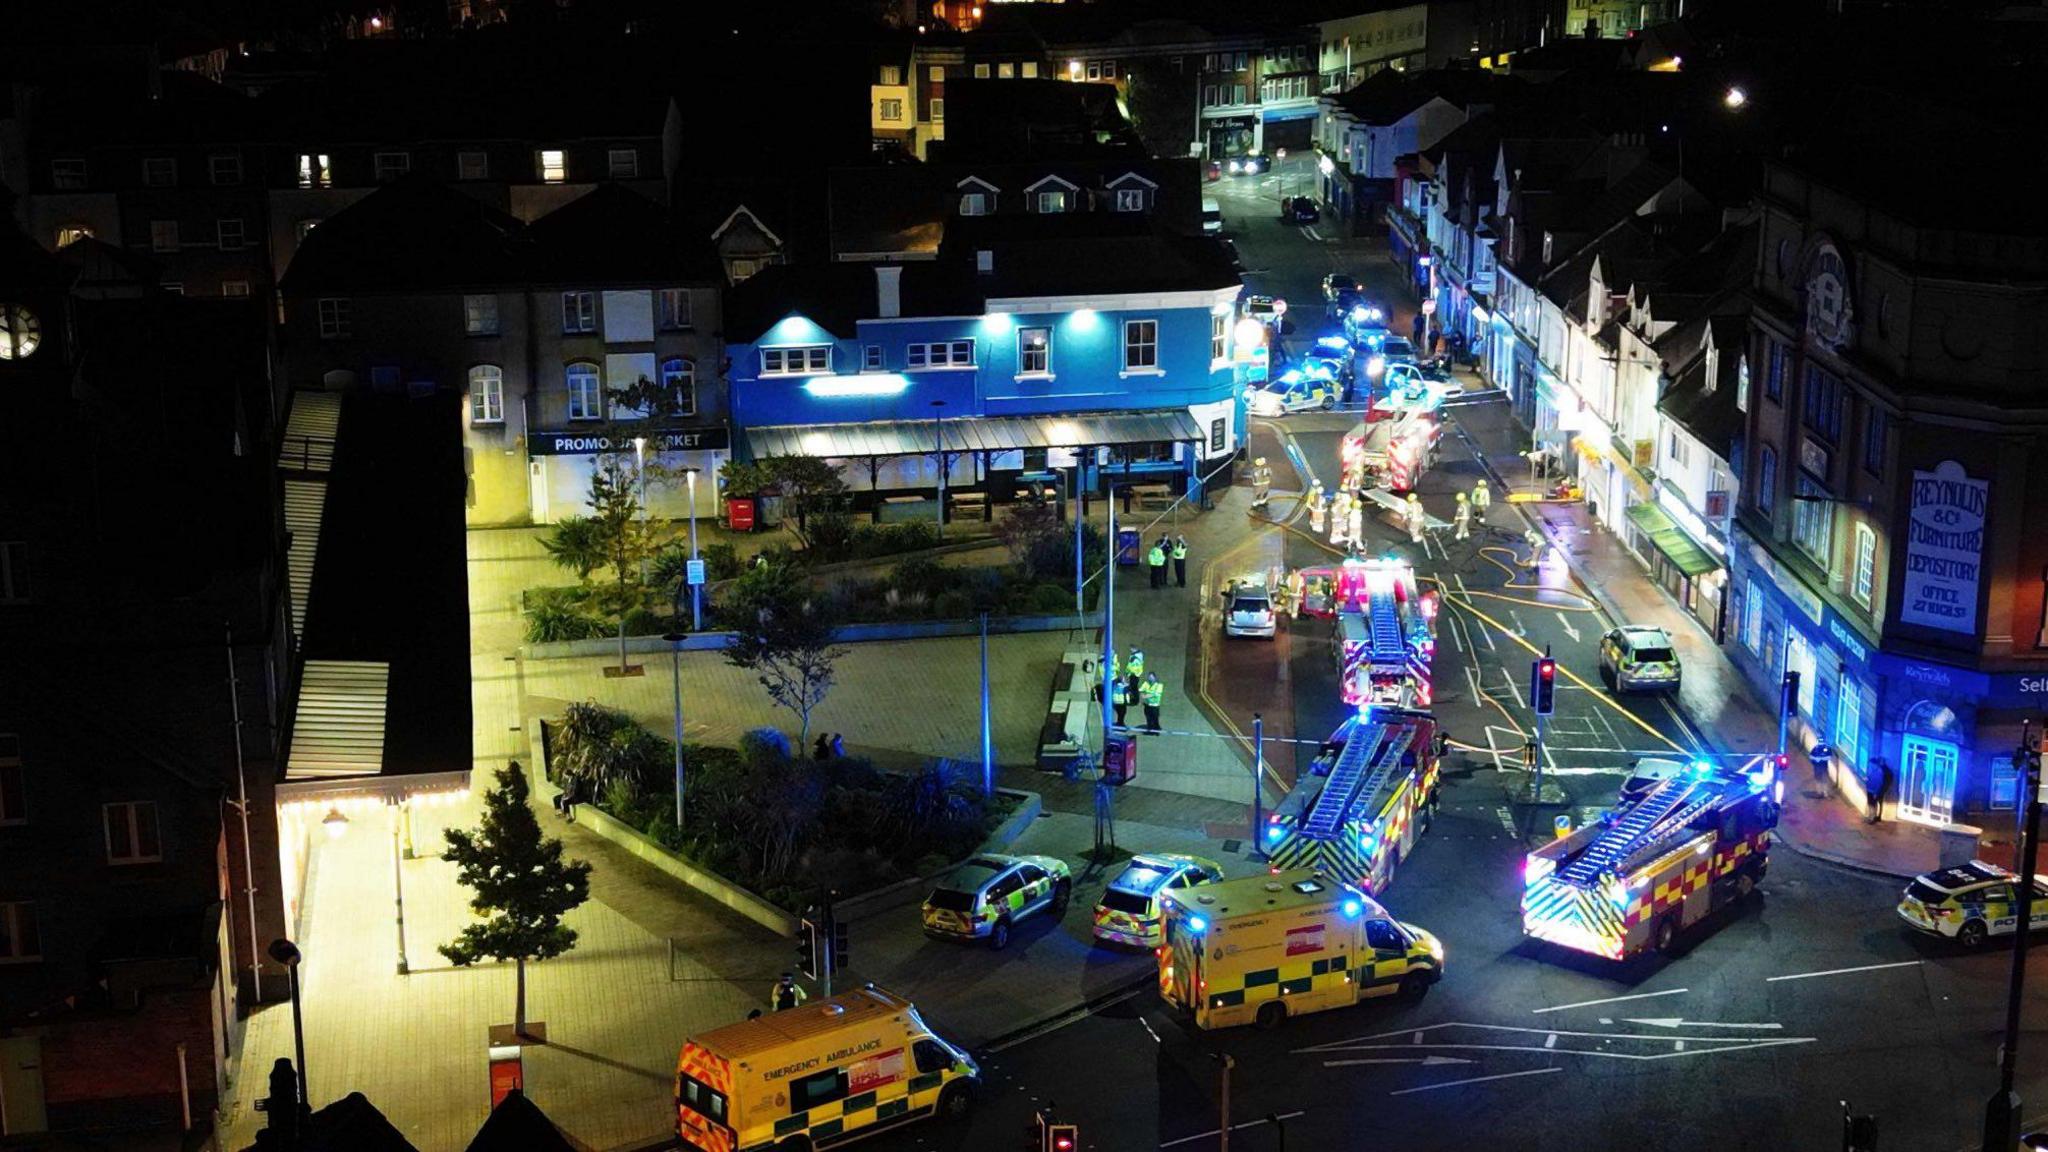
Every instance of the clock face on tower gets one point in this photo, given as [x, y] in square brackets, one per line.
[20, 332]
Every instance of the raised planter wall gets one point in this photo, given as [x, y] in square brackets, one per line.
[844, 634]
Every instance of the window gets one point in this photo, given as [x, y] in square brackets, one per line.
[1208, 95]
[480, 315]
[938, 115]
[817, 1090]
[1676, 450]
[1864, 581]
[930, 1056]
[333, 318]
[1095, 70]
[18, 937]
[796, 361]
[132, 833]
[1382, 936]
[974, 203]
[679, 384]
[225, 169]
[1876, 428]
[1054, 200]
[304, 227]
[163, 235]
[1030, 70]
[1742, 384]
[486, 394]
[579, 312]
[472, 166]
[1130, 199]
[391, 165]
[1813, 522]
[67, 174]
[1141, 345]
[1006, 71]
[1849, 722]
[1034, 351]
[871, 358]
[1109, 69]
[892, 75]
[1766, 480]
[946, 354]
[892, 111]
[623, 163]
[1821, 402]
[553, 165]
[674, 306]
[234, 288]
[72, 234]
[936, 73]
[586, 399]
[13, 792]
[1219, 340]
[314, 171]
[229, 234]
[1778, 364]
[159, 172]
[981, 71]
[1753, 618]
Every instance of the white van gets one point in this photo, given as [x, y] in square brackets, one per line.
[1212, 216]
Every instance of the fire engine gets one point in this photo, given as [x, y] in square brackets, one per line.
[1386, 638]
[1391, 449]
[1656, 864]
[1363, 802]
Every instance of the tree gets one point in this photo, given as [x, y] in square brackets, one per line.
[615, 512]
[784, 638]
[522, 886]
[807, 484]
[576, 544]
[1162, 109]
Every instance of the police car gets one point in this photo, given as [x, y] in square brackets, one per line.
[983, 898]
[1970, 903]
[1128, 912]
[1312, 384]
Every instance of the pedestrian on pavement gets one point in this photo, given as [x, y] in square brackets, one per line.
[1317, 511]
[1135, 666]
[1463, 520]
[1154, 694]
[1180, 562]
[1416, 519]
[1116, 665]
[788, 993]
[1482, 498]
[1880, 780]
[1155, 560]
[1120, 700]
[1262, 483]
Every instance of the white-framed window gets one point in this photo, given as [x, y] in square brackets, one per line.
[623, 163]
[1676, 450]
[486, 394]
[229, 233]
[891, 75]
[1141, 345]
[159, 171]
[1219, 336]
[1034, 351]
[19, 939]
[871, 358]
[1006, 71]
[1813, 522]
[304, 228]
[579, 312]
[943, 354]
[1752, 618]
[315, 171]
[1095, 69]
[234, 289]
[1109, 69]
[132, 834]
[675, 308]
[334, 318]
[73, 233]
[679, 385]
[1130, 199]
[812, 360]
[472, 166]
[892, 111]
[974, 203]
[938, 115]
[13, 784]
[552, 165]
[225, 168]
[163, 235]
[1052, 200]
[586, 395]
[67, 174]
[981, 71]
[1863, 585]
[1848, 722]
[1029, 70]
[480, 314]
[390, 166]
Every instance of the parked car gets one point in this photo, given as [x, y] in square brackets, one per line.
[1128, 912]
[983, 898]
[1398, 350]
[1970, 903]
[1297, 389]
[1248, 609]
[1635, 656]
[1300, 210]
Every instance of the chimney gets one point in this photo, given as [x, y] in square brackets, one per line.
[889, 290]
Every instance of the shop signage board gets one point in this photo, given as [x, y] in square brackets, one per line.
[1945, 549]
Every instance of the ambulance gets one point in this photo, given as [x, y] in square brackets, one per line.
[818, 1075]
[1263, 948]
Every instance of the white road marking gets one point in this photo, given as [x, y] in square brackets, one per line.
[1521, 629]
[1507, 821]
[1709, 1046]
[1233, 1128]
[1680, 1021]
[1843, 971]
[1568, 629]
[1612, 1000]
[1425, 1061]
[1458, 644]
[1515, 687]
[1550, 1041]
[1476, 1080]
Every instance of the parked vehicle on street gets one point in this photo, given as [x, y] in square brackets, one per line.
[1128, 912]
[1248, 609]
[1300, 210]
[989, 894]
[830, 1070]
[1337, 284]
[1311, 384]
[1212, 216]
[1970, 904]
[1634, 656]
[1270, 946]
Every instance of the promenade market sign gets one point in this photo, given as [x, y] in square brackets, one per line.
[1945, 549]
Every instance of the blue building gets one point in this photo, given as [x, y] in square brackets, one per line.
[1031, 347]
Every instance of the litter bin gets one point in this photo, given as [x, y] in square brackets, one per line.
[1127, 546]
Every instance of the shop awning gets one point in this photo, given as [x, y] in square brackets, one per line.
[1667, 537]
[972, 434]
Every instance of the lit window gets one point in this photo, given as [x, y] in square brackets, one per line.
[472, 166]
[675, 308]
[230, 235]
[234, 289]
[1130, 199]
[1866, 565]
[72, 234]
[225, 169]
[891, 75]
[586, 397]
[159, 172]
[13, 788]
[1813, 522]
[892, 111]
[938, 111]
[579, 312]
[679, 386]
[132, 836]
[1006, 71]
[1052, 201]
[1034, 351]
[1030, 69]
[314, 171]
[1141, 345]
[486, 394]
[19, 939]
[974, 204]
[391, 165]
[936, 73]
[981, 71]
[1752, 618]
[67, 174]
[554, 166]
[480, 314]
[14, 572]
[623, 163]
[334, 319]
[163, 235]
[808, 361]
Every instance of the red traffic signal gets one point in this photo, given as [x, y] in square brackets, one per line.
[1543, 686]
[1063, 1138]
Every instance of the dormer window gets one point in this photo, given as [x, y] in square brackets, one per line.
[974, 203]
[1052, 200]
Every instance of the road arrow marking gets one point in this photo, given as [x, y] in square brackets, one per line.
[1521, 629]
[1425, 1061]
[1568, 629]
[1610, 1000]
[1681, 1022]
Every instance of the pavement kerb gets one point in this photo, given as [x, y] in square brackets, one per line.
[1838, 861]
[1029, 805]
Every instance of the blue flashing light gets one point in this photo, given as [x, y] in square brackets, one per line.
[1197, 925]
[1353, 908]
[1337, 342]
[1274, 831]
[1366, 842]
[1359, 315]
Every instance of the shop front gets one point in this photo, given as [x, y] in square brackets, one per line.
[1682, 562]
[559, 464]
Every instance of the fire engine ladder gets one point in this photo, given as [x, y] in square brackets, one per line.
[1671, 804]
[1370, 756]
[1387, 642]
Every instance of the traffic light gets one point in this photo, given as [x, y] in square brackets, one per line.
[808, 961]
[1543, 686]
[840, 951]
[1062, 1138]
[1788, 696]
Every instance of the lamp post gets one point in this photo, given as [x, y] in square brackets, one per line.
[1258, 853]
[2002, 1112]
[696, 590]
[640, 476]
[287, 953]
[675, 665]
[939, 450]
[398, 879]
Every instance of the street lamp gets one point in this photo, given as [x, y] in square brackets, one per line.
[287, 953]
[1735, 98]
[675, 664]
[398, 878]
[696, 589]
[640, 473]
[939, 448]
[334, 822]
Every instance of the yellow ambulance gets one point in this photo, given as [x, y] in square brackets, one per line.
[818, 1075]
[1263, 948]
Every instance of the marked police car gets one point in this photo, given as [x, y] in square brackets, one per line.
[1311, 384]
[1970, 903]
[1129, 913]
[983, 898]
